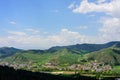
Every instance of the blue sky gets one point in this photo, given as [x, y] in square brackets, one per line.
[41, 24]
[42, 14]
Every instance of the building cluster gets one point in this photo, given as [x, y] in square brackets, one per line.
[15, 66]
[91, 66]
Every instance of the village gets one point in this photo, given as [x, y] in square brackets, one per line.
[91, 66]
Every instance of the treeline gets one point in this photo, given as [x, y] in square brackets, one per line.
[8, 73]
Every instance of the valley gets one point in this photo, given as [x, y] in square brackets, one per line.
[82, 59]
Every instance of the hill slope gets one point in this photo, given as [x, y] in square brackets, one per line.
[7, 51]
[68, 55]
[109, 55]
[59, 57]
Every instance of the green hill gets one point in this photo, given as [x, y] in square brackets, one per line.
[109, 55]
[26, 56]
[67, 56]
[59, 57]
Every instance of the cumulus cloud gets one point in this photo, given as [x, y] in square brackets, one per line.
[111, 25]
[25, 40]
[110, 29]
[63, 37]
[110, 8]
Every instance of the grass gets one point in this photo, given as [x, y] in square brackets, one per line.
[107, 55]
[116, 69]
[25, 57]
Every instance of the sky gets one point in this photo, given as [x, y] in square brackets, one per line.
[41, 24]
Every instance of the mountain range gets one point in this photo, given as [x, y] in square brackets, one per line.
[108, 53]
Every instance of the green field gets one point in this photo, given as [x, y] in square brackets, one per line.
[116, 69]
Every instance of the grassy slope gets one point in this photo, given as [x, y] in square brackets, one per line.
[108, 55]
[116, 69]
[63, 56]
[66, 57]
[26, 57]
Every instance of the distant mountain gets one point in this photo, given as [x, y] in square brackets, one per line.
[7, 51]
[59, 57]
[25, 56]
[86, 48]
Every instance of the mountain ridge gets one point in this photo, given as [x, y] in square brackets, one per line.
[8, 51]
[69, 55]
[86, 47]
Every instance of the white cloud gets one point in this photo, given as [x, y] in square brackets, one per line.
[64, 37]
[18, 33]
[71, 37]
[24, 40]
[110, 8]
[55, 11]
[101, 1]
[71, 6]
[108, 32]
[12, 22]
[110, 29]
[82, 27]
[34, 31]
